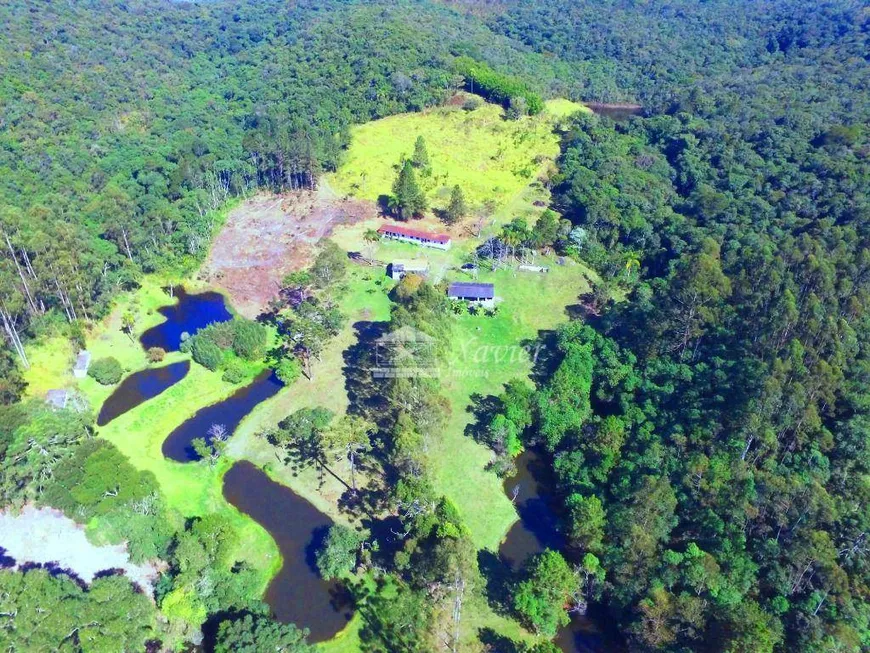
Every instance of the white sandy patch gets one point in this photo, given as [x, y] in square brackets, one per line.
[45, 535]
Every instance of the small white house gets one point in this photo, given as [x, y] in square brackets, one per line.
[57, 398]
[83, 362]
[398, 269]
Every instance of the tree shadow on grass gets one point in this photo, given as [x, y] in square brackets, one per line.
[498, 580]
[364, 390]
[545, 354]
[495, 643]
[484, 409]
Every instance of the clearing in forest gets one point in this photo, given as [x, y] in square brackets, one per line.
[269, 235]
[46, 536]
[490, 158]
[496, 161]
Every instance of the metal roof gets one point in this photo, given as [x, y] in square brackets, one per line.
[475, 290]
[57, 398]
[83, 360]
[408, 232]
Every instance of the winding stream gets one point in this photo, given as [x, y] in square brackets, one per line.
[536, 530]
[228, 412]
[297, 594]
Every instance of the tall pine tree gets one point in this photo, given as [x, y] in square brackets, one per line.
[457, 209]
[408, 199]
[420, 159]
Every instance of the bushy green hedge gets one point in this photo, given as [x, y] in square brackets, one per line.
[249, 339]
[497, 87]
[234, 371]
[106, 371]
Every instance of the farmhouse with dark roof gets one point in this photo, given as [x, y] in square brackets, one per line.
[479, 293]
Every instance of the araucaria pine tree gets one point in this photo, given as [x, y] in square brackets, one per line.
[408, 199]
[420, 160]
[457, 208]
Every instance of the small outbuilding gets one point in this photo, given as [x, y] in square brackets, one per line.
[398, 269]
[83, 362]
[479, 293]
[57, 398]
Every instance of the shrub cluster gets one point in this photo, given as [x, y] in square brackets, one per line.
[223, 345]
[106, 371]
[507, 90]
[156, 354]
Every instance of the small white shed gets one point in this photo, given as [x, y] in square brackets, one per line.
[83, 362]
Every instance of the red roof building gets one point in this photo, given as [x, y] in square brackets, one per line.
[416, 236]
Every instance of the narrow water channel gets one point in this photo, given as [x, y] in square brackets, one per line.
[190, 313]
[297, 594]
[229, 413]
[538, 529]
[139, 388]
[615, 111]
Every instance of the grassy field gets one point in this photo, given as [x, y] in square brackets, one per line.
[363, 299]
[492, 159]
[530, 303]
[52, 359]
[487, 353]
[191, 489]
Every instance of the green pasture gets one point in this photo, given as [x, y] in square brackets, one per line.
[491, 158]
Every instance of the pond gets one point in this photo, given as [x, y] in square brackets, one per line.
[617, 110]
[538, 525]
[536, 530]
[297, 594]
[229, 413]
[189, 314]
[139, 388]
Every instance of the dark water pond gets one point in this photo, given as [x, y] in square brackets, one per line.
[618, 111]
[229, 412]
[536, 530]
[296, 594]
[139, 388]
[538, 526]
[189, 314]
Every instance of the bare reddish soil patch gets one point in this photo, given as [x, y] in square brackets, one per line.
[270, 235]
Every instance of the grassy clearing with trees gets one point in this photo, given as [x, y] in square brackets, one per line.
[491, 159]
[532, 302]
[494, 346]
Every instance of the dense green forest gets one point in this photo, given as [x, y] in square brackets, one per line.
[707, 413]
[710, 434]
